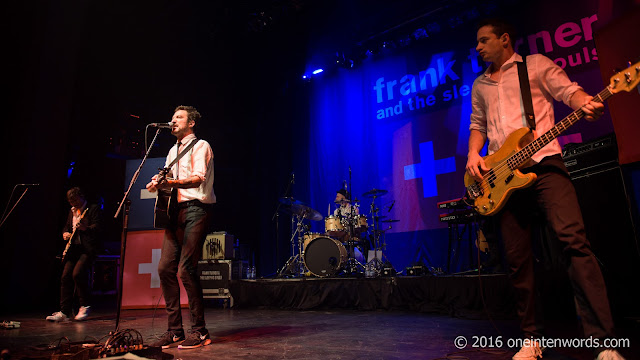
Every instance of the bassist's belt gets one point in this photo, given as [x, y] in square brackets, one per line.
[186, 204]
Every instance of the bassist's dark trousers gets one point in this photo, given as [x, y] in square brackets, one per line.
[75, 275]
[181, 250]
[555, 196]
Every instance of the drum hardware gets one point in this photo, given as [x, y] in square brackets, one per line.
[376, 266]
[295, 265]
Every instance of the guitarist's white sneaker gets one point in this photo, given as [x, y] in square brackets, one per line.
[58, 316]
[83, 313]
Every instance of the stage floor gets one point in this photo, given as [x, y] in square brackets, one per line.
[290, 334]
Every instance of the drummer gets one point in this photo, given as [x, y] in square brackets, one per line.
[344, 208]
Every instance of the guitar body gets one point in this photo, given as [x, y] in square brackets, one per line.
[494, 195]
[164, 209]
[165, 203]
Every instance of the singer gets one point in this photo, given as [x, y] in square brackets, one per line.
[191, 183]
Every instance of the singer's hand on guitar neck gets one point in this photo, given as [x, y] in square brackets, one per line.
[152, 186]
[190, 182]
[66, 236]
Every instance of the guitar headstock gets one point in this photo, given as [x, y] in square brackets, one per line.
[626, 79]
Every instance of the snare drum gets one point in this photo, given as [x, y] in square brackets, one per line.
[333, 226]
[324, 256]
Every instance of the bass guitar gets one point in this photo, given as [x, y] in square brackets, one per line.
[66, 248]
[503, 177]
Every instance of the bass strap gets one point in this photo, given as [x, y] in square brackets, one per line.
[525, 91]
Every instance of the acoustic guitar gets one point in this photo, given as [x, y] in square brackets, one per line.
[504, 177]
[165, 202]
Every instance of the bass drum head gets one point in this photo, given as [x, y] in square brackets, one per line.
[324, 256]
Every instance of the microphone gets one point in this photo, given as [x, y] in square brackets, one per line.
[168, 125]
[391, 206]
[28, 184]
[293, 177]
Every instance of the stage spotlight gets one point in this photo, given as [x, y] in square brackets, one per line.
[317, 71]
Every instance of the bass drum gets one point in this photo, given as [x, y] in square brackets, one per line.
[324, 256]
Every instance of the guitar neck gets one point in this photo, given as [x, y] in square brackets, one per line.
[522, 156]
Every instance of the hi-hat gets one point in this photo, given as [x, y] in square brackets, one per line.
[306, 212]
[375, 192]
[390, 221]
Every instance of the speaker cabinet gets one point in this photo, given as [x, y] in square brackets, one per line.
[610, 229]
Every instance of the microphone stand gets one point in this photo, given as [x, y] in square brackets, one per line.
[276, 216]
[125, 204]
[4, 218]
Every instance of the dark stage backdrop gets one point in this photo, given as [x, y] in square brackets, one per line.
[399, 122]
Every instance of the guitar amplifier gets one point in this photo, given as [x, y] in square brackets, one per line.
[218, 245]
[596, 154]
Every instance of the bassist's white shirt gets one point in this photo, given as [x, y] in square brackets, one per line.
[497, 108]
[198, 161]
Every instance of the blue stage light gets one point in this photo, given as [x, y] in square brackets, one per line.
[317, 71]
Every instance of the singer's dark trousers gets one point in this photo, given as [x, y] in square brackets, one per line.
[75, 276]
[554, 194]
[181, 250]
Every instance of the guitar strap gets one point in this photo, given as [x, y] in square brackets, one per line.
[182, 153]
[525, 91]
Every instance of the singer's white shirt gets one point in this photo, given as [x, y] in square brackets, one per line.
[199, 162]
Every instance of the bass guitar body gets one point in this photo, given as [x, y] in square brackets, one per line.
[499, 182]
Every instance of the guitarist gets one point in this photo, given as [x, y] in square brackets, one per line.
[191, 178]
[84, 223]
[496, 113]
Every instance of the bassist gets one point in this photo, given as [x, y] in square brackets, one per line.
[496, 113]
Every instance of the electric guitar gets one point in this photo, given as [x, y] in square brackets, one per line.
[165, 202]
[66, 249]
[503, 177]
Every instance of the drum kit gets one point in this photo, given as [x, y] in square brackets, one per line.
[339, 250]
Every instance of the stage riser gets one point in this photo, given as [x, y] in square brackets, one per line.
[455, 296]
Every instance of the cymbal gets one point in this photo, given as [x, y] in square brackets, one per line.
[306, 212]
[347, 201]
[375, 192]
[290, 201]
[390, 221]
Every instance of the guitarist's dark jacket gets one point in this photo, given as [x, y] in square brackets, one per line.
[89, 239]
